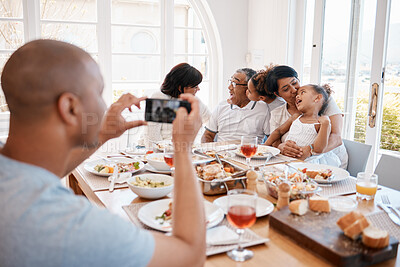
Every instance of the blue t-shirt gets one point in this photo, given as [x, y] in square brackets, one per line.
[42, 223]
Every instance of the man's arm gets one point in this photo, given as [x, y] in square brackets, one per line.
[208, 136]
[113, 125]
[186, 246]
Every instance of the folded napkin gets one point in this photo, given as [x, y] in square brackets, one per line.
[221, 235]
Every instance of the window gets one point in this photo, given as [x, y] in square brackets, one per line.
[136, 42]
[12, 34]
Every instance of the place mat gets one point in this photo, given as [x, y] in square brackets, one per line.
[96, 182]
[260, 162]
[250, 238]
[381, 220]
[344, 187]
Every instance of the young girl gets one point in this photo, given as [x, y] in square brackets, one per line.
[257, 89]
[309, 128]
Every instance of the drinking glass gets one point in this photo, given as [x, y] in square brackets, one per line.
[241, 215]
[248, 147]
[366, 186]
[169, 157]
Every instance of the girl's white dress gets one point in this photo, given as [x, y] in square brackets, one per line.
[304, 134]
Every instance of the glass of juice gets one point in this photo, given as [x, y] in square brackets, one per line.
[169, 157]
[366, 186]
[248, 147]
[241, 215]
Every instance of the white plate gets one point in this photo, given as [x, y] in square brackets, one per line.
[264, 207]
[261, 149]
[147, 214]
[152, 169]
[339, 174]
[89, 166]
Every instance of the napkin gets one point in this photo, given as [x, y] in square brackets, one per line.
[122, 178]
[221, 235]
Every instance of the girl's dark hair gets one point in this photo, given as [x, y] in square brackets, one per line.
[277, 73]
[325, 90]
[180, 76]
[260, 82]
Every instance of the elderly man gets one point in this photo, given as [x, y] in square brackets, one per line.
[238, 116]
[54, 93]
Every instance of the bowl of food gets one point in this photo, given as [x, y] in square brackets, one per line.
[157, 161]
[151, 186]
[300, 185]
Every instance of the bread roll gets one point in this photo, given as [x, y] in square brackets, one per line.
[298, 207]
[356, 228]
[375, 238]
[349, 219]
[319, 204]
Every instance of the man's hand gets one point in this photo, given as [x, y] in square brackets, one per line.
[113, 124]
[291, 149]
[186, 126]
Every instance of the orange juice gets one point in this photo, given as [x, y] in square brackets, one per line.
[366, 188]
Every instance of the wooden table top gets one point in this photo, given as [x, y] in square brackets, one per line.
[281, 250]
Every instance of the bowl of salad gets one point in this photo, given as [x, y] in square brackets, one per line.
[301, 186]
[151, 186]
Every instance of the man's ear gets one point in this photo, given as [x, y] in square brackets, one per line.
[70, 108]
[262, 98]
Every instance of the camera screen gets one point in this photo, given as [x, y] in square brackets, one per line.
[162, 110]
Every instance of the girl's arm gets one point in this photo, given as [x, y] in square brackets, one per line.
[321, 142]
[281, 130]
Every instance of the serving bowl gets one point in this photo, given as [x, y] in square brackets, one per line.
[152, 192]
[157, 161]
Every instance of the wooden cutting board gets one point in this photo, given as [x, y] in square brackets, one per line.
[319, 233]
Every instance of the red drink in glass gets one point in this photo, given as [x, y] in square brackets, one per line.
[248, 150]
[241, 216]
[169, 159]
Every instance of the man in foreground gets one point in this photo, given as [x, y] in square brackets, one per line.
[238, 116]
[53, 91]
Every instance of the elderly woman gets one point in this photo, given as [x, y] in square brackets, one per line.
[282, 81]
[183, 78]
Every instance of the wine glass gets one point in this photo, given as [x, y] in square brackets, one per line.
[248, 147]
[241, 215]
[169, 157]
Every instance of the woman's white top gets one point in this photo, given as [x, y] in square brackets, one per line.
[155, 131]
[280, 115]
[304, 134]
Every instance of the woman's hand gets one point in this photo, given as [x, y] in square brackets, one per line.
[291, 149]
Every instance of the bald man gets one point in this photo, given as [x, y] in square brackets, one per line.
[54, 93]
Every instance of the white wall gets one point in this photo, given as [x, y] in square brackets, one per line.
[268, 32]
[231, 17]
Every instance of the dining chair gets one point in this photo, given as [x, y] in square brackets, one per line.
[358, 156]
[388, 170]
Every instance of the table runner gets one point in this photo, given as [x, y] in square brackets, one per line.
[249, 236]
[260, 162]
[381, 220]
[96, 182]
[344, 187]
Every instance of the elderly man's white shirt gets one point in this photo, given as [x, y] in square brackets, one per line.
[230, 122]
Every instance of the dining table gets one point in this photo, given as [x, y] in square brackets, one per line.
[280, 250]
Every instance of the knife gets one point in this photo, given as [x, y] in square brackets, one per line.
[391, 215]
[113, 177]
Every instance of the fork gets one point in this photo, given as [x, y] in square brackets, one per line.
[386, 201]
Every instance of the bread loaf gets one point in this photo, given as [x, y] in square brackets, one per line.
[356, 228]
[375, 238]
[298, 207]
[319, 204]
[348, 219]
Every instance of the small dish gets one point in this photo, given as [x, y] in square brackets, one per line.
[342, 203]
[152, 192]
